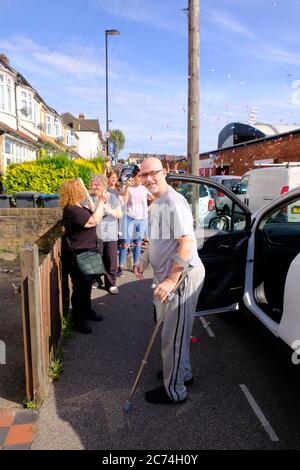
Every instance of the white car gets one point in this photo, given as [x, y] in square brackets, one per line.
[206, 208]
[254, 259]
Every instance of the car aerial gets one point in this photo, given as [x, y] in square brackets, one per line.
[250, 259]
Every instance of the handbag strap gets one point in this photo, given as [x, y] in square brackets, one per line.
[69, 245]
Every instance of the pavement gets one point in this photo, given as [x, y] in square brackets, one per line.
[84, 409]
[17, 429]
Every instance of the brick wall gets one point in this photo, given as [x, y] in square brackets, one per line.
[19, 226]
[283, 148]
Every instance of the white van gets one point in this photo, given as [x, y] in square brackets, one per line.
[260, 186]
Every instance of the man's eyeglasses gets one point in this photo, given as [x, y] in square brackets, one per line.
[150, 173]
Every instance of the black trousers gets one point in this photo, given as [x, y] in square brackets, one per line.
[109, 252]
[81, 295]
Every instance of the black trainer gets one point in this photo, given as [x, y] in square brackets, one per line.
[82, 327]
[187, 383]
[94, 316]
[159, 396]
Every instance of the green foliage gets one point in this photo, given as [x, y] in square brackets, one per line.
[46, 175]
[96, 165]
[118, 138]
[55, 369]
[67, 330]
[30, 404]
[57, 366]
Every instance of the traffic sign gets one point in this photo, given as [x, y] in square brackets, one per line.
[111, 148]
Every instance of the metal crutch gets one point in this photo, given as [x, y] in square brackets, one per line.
[128, 405]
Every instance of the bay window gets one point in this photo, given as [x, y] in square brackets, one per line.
[6, 93]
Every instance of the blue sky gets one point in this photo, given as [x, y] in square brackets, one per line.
[249, 57]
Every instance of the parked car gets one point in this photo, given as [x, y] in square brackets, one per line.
[206, 208]
[221, 200]
[251, 259]
[125, 175]
[261, 185]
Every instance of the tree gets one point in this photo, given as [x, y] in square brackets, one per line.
[118, 138]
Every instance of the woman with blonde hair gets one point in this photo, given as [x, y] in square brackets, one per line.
[80, 235]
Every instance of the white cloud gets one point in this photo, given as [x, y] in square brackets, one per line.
[230, 23]
[161, 14]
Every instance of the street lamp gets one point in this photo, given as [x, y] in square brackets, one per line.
[108, 32]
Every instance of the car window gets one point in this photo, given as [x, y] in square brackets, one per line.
[229, 182]
[203, 190]
[202, 201]
[243, 186]
[289, 213]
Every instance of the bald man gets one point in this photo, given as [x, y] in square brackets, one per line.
[172, 245]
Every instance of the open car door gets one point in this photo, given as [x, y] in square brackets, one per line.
[273, 268]
[222, 241]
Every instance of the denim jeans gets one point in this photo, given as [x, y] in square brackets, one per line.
[133, 230]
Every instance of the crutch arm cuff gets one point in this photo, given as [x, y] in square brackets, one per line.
[178, 260]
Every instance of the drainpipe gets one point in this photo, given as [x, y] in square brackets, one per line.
[17, 83]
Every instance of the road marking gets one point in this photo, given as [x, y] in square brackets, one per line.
[265, 423]
[207, 328]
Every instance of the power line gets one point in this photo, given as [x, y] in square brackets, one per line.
[66, 30]
[86, 39]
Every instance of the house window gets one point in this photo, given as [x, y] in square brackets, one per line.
[5, 93]
[56, 127]
[35, 113]
[49, 124]
[7, 146]
[9, 94]
[1, 91]
[69, 138]
[26, 104]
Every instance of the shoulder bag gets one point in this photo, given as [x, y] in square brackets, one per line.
[89, 262]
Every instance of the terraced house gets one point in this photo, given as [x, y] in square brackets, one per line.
[29, 127]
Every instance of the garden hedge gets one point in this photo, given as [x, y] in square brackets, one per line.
[46, 175]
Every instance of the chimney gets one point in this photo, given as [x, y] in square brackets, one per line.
[81, 116]
[4, 59]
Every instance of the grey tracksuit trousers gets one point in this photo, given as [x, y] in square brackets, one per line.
[176, 333]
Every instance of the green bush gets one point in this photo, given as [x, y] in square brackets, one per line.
[45, 175]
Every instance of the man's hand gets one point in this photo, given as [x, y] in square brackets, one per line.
[139, 269]
[163, 289]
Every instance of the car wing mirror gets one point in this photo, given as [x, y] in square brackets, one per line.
[236, 189]
[220, 223]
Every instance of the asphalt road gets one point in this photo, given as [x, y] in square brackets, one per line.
[235, 362]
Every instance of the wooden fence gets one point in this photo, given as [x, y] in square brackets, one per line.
[45, 301]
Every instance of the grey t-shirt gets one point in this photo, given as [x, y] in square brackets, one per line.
[170, 218]
[107, 230]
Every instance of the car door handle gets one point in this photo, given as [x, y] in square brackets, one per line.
[272, 243]
[223, 245]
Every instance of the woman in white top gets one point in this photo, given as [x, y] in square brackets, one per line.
[135, 219]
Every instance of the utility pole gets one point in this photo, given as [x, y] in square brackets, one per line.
[193, 127]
